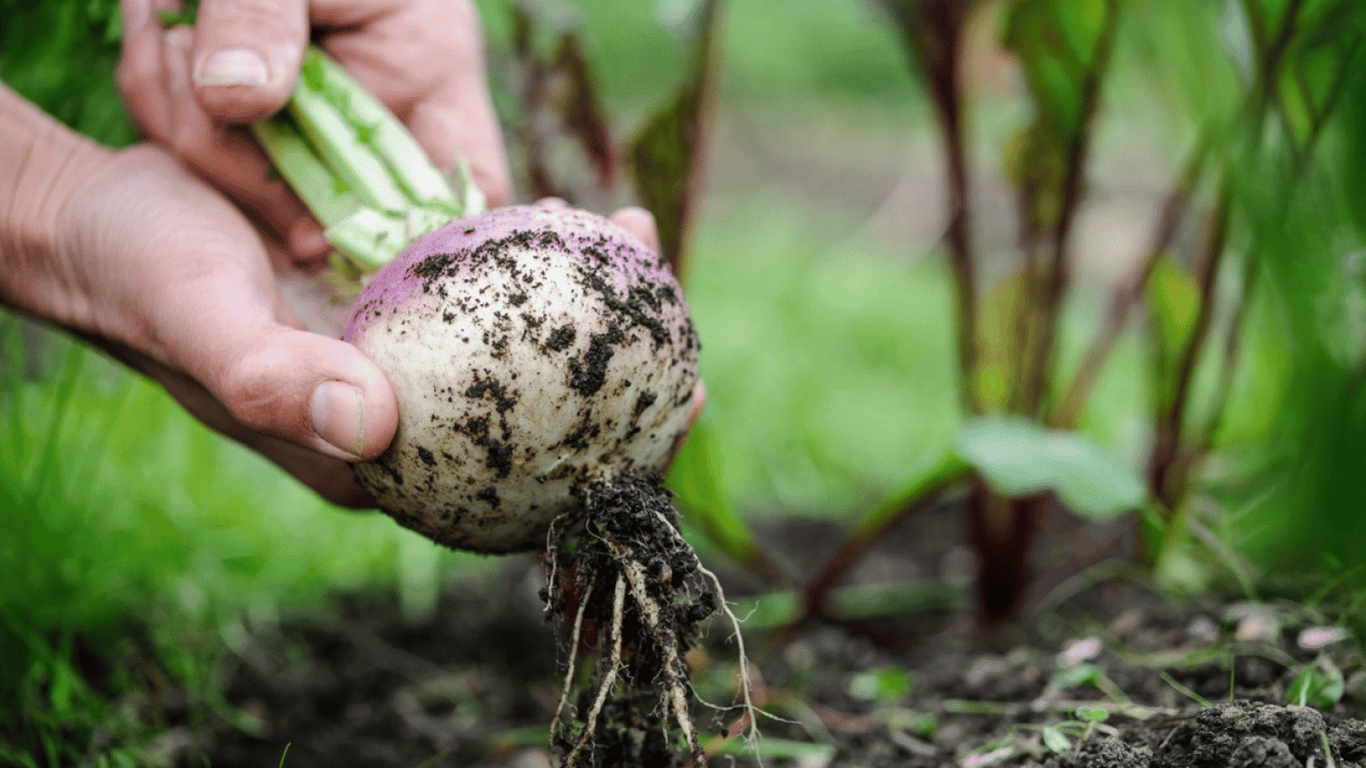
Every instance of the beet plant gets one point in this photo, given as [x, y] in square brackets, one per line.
[545, 366]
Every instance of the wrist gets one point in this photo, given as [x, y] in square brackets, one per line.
[42, 164]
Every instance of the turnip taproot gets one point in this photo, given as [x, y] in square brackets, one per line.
[544, 364]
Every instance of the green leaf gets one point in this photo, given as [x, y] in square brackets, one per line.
[666, 154]
[1075, 677]
[885, 685]
[1090, 713]
[1082, 22]
[1173, 300]
[1021, 458]
[1319, 684]
[693, 479]
[926, 480]
[1054, 739]
[909, 720]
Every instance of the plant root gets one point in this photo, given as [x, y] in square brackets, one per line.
[636, 708]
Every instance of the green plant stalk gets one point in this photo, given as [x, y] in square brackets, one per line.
[1057, 277]
[357, 167]
[336, 140]
[376, 127]
[369, 236]
[325, 195]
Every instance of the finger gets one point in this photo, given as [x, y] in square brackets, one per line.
[466, 129]
[330, 478]
[316, 392]
[209, 307]
[247, 55]
[140, 74]
[230, 159]
[425, 60]
[640, 223]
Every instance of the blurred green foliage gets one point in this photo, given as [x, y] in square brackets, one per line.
[61, 56]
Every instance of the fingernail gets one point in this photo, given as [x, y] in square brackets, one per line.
[338, 412]
[233, 66]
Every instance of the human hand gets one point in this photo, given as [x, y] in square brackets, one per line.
[192, 90]
[136, 254]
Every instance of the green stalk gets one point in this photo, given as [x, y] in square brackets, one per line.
[328, 197]
[381, 132]
[372, 238]
[357, 167]
[339, 142]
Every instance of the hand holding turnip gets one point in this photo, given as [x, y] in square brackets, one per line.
[133, 252]
[193, 90]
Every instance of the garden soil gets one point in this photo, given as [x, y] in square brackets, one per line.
[1100, 671]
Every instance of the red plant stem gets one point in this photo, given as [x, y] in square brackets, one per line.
[858, 543]
[1073, 403]
[1165, 483]
[1170, 463]
[933, 33]
[1002, 531]
[962, 260]
[1059, 274]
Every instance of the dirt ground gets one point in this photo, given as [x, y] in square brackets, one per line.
[1097, 674]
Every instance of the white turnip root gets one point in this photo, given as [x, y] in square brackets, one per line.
[532, 350]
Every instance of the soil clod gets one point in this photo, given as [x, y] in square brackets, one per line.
[622, 565]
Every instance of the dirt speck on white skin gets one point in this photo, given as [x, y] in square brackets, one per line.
[532, 350]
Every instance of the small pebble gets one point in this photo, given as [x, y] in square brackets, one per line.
[1126, 622]
[1315, 638]
[1203, 631]
[1079, 651]
[1255, 623]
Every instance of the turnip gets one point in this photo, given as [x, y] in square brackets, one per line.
[533, 350]
[544, 363]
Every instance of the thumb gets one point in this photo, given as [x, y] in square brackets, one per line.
[246, 56]
[311, 390]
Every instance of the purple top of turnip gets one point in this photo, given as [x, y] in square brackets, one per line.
[622, 259]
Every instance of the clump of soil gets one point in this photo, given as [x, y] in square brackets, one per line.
[1228, 735]
[636, 584]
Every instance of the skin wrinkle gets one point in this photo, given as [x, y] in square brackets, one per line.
[20, 244]
[53, 164]
[349, 13]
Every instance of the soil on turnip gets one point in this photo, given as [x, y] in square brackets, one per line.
[1101, 673]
